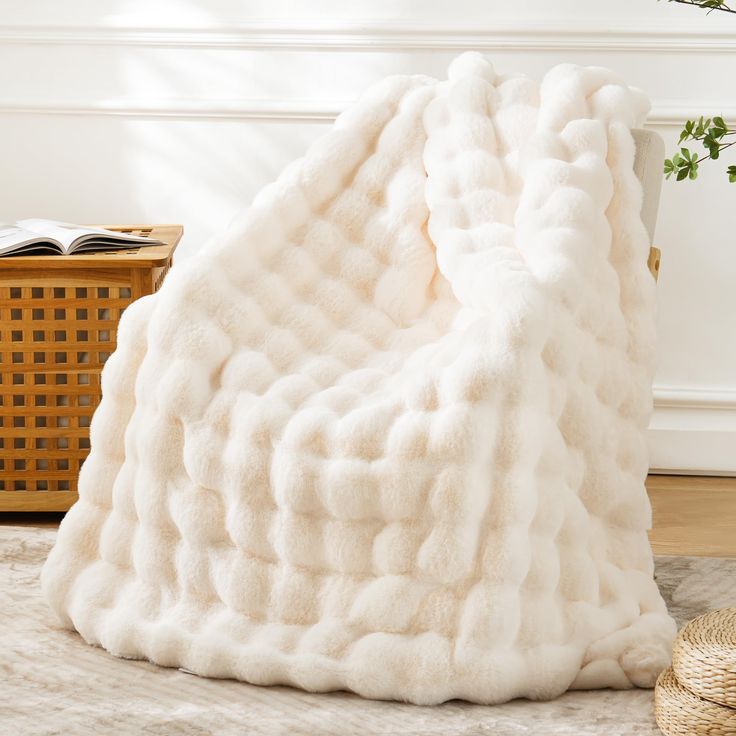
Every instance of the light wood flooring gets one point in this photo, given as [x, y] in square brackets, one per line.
[693, 515]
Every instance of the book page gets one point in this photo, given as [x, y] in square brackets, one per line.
[69, 235]
[14, 239]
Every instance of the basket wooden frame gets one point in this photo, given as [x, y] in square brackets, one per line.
[58, 324]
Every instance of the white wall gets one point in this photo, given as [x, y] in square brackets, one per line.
[180, 111]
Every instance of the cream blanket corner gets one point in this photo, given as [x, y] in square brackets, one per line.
[387, 435]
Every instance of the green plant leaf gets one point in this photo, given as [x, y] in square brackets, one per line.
[720, 126]
[687, 131]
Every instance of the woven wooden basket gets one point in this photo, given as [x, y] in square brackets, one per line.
[697, 695]
[682, 713]
[704, 656]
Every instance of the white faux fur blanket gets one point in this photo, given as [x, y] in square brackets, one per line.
[387, 435]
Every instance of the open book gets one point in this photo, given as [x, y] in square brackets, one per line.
[48, 237]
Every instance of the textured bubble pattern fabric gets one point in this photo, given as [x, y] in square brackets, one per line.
[387, 433]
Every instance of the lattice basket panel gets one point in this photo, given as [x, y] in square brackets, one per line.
[57, 328]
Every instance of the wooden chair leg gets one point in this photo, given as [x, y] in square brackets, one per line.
[653, 261]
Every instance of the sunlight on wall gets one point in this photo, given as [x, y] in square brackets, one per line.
[181, 110]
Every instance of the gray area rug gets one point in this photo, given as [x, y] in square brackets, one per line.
[53, 683]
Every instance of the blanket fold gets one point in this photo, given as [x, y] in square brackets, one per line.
[388, 433]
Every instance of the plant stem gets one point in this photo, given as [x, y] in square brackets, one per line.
[722, 8]
[723, 147]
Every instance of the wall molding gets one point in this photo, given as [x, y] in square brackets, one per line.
[677, 397]
[599, 35]
[272, 110]
[666, 113]
[662, 115]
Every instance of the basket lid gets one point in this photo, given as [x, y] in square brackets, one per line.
[704, 656]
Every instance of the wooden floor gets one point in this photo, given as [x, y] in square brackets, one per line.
[692, 515]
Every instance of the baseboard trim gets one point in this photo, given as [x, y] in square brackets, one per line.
[688, 452]
[693, 431]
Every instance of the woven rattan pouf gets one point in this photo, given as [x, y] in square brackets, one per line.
[697, 695]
